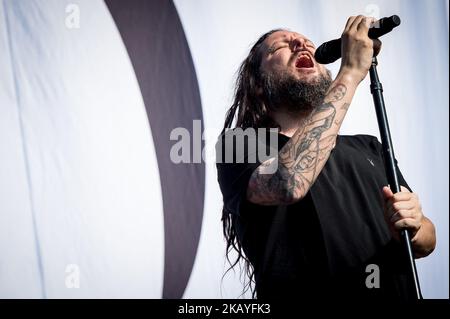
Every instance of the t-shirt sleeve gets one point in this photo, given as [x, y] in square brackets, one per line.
[233, 180]
[233, 176]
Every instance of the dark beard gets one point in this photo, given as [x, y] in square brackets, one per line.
[283, 91]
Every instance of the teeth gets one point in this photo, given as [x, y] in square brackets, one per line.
[304, 56]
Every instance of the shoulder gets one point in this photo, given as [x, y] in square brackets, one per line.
[362, 142]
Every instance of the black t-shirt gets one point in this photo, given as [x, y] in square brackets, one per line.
[321, 245]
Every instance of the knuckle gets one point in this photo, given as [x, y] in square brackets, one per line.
[346, 35]
[360, 40]
[367, 44]
[399, 224]
[401, 214]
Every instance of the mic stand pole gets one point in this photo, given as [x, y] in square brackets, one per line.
[389, 159]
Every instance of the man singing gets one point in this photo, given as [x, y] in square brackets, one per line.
[318, 220]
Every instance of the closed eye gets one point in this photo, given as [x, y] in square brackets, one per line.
[273, 50]
[283, 46]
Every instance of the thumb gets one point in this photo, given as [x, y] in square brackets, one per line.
[387, 193]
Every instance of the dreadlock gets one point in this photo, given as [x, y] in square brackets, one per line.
[251, 113]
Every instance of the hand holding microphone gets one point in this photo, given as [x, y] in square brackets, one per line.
[355, 46]
[330, 51]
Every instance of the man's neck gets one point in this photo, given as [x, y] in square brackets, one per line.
[288, 121]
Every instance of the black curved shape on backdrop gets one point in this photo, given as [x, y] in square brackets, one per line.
[153, 35]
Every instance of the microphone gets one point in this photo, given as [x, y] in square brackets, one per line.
[330, 51]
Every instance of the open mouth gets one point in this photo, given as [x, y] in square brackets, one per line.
[304, 61]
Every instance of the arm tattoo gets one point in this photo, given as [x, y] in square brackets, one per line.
[302, 158]
[344, 107]
[337, 93]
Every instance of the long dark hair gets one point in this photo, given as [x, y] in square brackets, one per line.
[251, 112]
[250, 107]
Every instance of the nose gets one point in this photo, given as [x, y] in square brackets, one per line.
[298, 44]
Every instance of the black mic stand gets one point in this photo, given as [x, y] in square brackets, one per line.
[388, 151]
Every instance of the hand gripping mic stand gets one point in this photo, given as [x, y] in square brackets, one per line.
[329, 52]
[389, 159]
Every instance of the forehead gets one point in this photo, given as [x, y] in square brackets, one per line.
[282, 35]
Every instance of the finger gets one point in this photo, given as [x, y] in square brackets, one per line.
[365, 24]
[402, 196]
[402, 214]
[403, 205]
[387, 193]
[407, 223]
[349, 23]
[355, 23]
[404, 189]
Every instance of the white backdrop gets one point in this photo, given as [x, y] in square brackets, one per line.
[73, 159]
[74, 189]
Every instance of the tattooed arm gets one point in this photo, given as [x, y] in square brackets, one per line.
[303, 157]
[301, 160]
